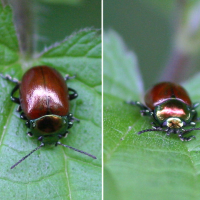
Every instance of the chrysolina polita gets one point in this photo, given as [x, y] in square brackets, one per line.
[44, 104]
[171, 108]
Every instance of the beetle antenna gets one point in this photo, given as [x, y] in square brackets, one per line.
[192, 129]
[64, 145]
[148, 130]
[27, 155]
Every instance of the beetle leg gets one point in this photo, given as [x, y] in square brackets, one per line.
[67, 77]
[195, 105]
[63, 135]
[148, 130]
[74, 95]
[66, 134]
[197, 119]
[186, 138]
[29, 134]
[60, 136]
[169, 131]
[154, 126]
[71, 118]
[28, 123]
[70, 124]
[22, 116]
[137, 103]
[192, 123]
[143, 109]
[9, 78]
[15, 99]
[145, 112]
[70, 115]
[75, 119]
[40, 138]
[19, 109]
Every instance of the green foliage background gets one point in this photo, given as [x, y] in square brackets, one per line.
[149, 28]
[56, 19]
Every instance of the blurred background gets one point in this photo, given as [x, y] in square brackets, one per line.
[49, 21]
[163, 34]
[56, 21]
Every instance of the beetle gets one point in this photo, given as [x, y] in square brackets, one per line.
[171, 108]
[44, 104]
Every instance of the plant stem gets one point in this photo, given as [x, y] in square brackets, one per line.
[23, 19]
[177, 67]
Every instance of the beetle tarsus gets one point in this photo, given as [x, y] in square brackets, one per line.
[65, 135]
[28, 123]
[22, 116]
[74, 95]
[186, 138]
[70, 124]
[71, 118]
[197, 119]
[40, 138]
[29, 134]
[137, 103]
[19, 108]
[192, 123]
[9, 78]
[60, 136]
[67, 77]
[15, 99]
[145, 111]
[195, 105]
[132, 102]
[75, 119]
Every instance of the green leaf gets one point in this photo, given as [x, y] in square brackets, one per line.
[8, 39]
[147, 166]
[53, 172]
[72, 2]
